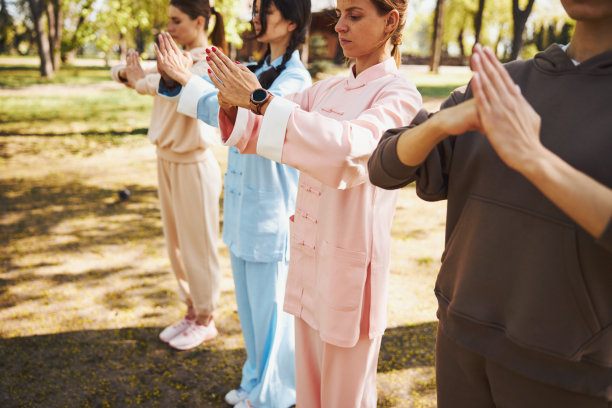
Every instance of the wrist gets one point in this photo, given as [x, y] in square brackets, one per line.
[184, 78]
[169, 83]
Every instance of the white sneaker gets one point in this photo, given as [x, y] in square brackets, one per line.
[243, 404]
[177, 328]
[193, 336]
[235, 396]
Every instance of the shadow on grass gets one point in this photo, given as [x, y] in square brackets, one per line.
[88, 133]
[131, 367]
[114, 368]
[39, 208]
[408, 347]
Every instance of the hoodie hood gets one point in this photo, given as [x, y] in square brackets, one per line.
[555, 60]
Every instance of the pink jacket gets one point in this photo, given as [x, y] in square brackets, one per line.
[340, 231]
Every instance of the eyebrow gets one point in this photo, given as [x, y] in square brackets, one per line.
[353, 8]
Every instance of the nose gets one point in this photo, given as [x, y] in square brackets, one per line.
[341, 26]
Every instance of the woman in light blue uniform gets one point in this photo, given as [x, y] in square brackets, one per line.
[259, 198]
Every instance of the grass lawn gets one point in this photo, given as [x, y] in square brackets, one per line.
[85, 283]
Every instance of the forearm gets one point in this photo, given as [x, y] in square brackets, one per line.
[585, 200]
[416, 143]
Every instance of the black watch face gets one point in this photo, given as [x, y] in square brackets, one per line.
[259, 95]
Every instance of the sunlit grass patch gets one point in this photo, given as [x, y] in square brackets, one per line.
[26, 75]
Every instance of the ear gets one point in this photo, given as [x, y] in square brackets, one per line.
[292, 26]
[392, 21]
[201, 22]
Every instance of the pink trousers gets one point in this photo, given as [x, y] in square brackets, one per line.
[328, 376]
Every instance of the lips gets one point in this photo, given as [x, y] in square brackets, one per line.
[344, 41]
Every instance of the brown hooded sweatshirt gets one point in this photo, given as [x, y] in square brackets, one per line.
[521, 283]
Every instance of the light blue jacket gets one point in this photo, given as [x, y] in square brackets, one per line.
[259, 194]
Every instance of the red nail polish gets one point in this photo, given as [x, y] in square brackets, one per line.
[207, 58]
[209, 71]
[207, 51]
[214, 49]
[237, 62]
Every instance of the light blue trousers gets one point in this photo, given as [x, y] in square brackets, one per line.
[268, 374]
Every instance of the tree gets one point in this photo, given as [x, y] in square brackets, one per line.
[38, 8]
[55, 25]
[519, 17]
[436, 43]
[6, 26]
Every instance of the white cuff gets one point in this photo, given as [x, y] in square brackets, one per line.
[273, 128]
[191, 94]
[240, 125]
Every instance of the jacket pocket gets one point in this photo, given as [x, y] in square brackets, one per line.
[341, 276]
[518, 271]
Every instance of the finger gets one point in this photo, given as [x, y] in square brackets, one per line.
[158, 52]
[174, 46]
[218, 68]
[224, 59]
[492, 76]
[480, 95]
[489, 80]
[502, 73]
[216, 82]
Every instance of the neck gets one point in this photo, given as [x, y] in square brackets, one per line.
[278, 49]
[364, 62]
[590, 39]
[200, 41]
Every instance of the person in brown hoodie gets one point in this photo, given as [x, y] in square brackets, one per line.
[524, 157]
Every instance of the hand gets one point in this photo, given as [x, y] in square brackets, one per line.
[133, 71]
[230, 110]
[460, 119]
[509, 122]
[235, 82]
[173, 62]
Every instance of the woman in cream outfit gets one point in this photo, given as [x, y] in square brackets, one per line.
[189, 178]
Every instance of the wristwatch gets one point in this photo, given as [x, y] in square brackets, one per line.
[258, 98]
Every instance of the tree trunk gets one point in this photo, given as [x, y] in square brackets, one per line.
[436, 43]
[519, 18]
[478, 20]
[37, 7]
[55, 22]
[461, 46]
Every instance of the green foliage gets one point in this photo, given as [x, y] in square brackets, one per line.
[233, 16]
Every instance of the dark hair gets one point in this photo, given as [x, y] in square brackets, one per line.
[296, 11]
[197, 8]
[384, 7]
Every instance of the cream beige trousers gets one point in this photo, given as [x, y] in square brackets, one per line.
[189, 200]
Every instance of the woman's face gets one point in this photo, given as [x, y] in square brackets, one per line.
[360, 29]
[182, 28]
[277, 28]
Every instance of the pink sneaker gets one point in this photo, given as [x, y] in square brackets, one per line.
[193, 336]
[177, 328]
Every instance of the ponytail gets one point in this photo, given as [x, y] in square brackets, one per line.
[217, 36]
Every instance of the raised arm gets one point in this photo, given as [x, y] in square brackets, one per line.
[513, 129]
